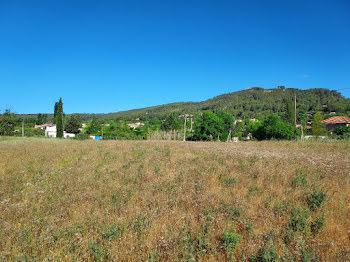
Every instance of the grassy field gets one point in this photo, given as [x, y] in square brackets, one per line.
[173, 201]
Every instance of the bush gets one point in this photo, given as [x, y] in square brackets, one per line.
[266, 254]
[299, 220]
[82, 136]
[316, 199]
[300, 179]
[273, 128]
[318, 224]
[231, 240]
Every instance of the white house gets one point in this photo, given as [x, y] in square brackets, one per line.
[51, 131]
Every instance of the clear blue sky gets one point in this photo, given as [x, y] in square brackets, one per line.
[108, 56]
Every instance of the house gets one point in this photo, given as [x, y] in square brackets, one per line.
[135, 125]
[51, 131]
[44, 126]
[336, 121]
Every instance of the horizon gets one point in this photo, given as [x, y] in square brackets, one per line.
[104, 57]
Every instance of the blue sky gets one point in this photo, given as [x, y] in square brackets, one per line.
[108, 56]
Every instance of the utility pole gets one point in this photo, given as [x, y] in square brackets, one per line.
[23, 127]
[302, 133]
[185, 129]
[229, 136]
[295, 117]
[191, 124]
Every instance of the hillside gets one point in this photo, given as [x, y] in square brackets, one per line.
[254, 102]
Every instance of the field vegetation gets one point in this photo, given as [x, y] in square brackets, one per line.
[68, 200]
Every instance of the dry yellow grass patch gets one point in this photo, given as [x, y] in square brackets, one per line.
[165, 201]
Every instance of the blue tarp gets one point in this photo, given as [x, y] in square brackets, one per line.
[97, 138]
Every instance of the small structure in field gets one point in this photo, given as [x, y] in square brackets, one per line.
[336, 121]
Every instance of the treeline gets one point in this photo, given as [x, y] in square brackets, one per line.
[255, 113]
[251, 103]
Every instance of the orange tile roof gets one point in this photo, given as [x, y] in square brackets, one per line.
[337, 120]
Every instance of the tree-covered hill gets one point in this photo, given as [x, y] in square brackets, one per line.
[253, 102]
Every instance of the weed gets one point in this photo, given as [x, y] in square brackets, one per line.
[252, 190]
[120, 198]
[230, 240]
[316, 199]
[227, 181]
[157, 170]
[140, 224]
[233, 212]
[266, 254]
[318, 224]
[299, 222]
[283, 207]
[112, 232]
[153, 256]
[299, 179]
[97, 253]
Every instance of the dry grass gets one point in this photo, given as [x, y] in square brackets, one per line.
[163, 201]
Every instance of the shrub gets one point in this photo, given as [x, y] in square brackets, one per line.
[318, 224]
[112, 232]
[273, 128]
[230, 240]
[316, 199]
[300, 179]
[82, 136]
[299, 220]
[266, 254]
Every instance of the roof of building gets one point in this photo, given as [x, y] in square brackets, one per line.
[44, 125]
[337, 120]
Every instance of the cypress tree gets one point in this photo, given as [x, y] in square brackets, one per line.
[289, 112]
[55, 113]
[59, 119]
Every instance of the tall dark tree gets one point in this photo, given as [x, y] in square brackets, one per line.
[59, 119]
[289, 111]
[55, 113]
[41, 119]
[73, 124]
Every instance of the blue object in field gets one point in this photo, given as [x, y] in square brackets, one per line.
[97, 138]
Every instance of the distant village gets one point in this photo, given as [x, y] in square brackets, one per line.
[330, 124]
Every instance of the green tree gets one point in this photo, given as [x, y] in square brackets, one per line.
[171, 123]
[318, 129]
[41, 119]
[227, 124]
[73, 124]
[289, 112]
[93, 127]
[55, 113]
[59, 118]
[208, 127]
[273, 128]
[7, 123]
